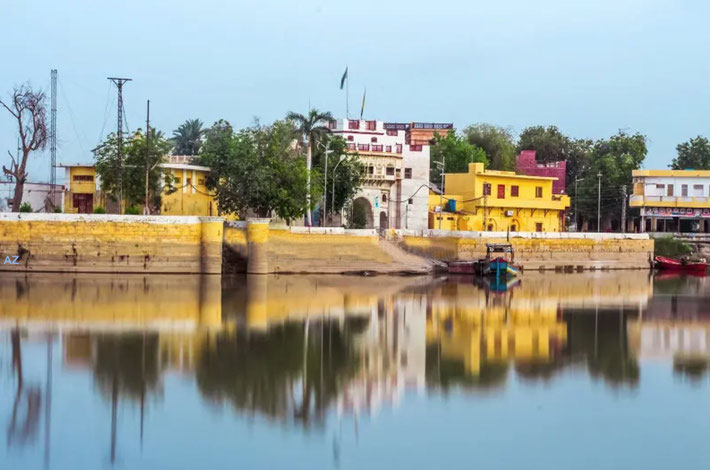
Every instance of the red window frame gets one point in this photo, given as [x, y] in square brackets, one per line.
[377, 147]
[388, 148]
[398, 148]
[514, 191]
[392, 132]
[363, 147]
[333, 124]
[351, 146]
[408, 173]
[351, 138]
[487, 189]
[538, 191]
[371, 125]
[501, 191]
[415, 148]
[373, 139]
[354, 125]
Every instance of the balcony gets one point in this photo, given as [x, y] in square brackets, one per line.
[639, 200]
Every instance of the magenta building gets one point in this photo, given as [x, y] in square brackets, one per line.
[526, 164]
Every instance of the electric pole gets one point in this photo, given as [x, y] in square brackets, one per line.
[623, 209]
[119, 136]
[599, 203]
[146, 210]
[53, 140]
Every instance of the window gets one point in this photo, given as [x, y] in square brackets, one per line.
[514, 192]
[364, 147]
[384, 197]
[370, 170]
[408, 173]
[398, 148]
[390, 171]
[538, 191]
[415, 148]
[353, 124]
[374, 139]
[332, 124]
[201, 181]
[411, 201]
[697, 190]
[83, 178]
[661, 186]
[351, 138]
[392, 132]
[670, 190]
[388, 149]
[371, 125]
[684, 190]
[501, 191]
[377, 147]
[486, 189]
[351, 146]
[538, 227]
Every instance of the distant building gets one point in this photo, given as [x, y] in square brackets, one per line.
[396, 156]
[671, 200]
[526, 164]
[38, 195]
[490, 200]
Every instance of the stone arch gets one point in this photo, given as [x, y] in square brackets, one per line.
[515, 225]
[384, 223]
[362, 214]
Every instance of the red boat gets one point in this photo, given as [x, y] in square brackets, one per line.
[670, 264]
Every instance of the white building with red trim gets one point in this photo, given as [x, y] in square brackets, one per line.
[395, 191]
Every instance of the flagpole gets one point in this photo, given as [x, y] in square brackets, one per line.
[347, 94]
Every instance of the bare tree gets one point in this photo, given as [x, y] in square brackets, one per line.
[29, 110]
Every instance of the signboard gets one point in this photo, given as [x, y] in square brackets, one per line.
[432, 125]
[677, 212]
[395, 126]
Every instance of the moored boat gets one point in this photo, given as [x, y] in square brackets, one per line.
[681, 265]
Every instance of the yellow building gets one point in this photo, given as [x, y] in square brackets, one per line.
[189, 194]
[497, 201]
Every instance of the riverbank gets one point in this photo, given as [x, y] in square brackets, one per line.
[209, 245]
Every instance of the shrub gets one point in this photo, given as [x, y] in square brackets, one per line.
[671, 248]
[99, 210]
[26, 207]
[57, 210]
[132, 210]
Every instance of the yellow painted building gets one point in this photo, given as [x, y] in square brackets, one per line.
[487, 200]
[80, 195]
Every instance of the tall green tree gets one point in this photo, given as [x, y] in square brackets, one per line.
[139, 155]
[311, 126]
[257, 169]
[456, 152]
[496, 141]
[347, 176]
[187, 138]
[693, 154]
[549, 143]
[614, 159]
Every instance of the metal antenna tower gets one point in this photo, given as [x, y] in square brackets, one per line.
[119, 137]
[53, 140]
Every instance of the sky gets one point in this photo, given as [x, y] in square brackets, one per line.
[590, 67]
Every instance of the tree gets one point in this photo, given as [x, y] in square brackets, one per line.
[257, 169]
[311, 126]
[348, 176]
[456, 152]
[187, 138]
[496, 141]
[28, 107]
[694, 154]
[614, 158]
[548, 142]
[138, 156]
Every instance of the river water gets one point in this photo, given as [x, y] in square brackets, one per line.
[575, 371]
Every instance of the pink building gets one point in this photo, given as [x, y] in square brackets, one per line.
[526, 164]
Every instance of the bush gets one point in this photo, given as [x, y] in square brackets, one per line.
[671, 248]
[132, 210]
[99, 210]
[57, 210]
[26, 207]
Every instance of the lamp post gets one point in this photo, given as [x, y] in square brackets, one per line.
[325, 181]
[599, 202]
[441, 165]
[576, 218]
[332, 192]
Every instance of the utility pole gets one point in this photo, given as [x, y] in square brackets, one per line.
[146, 209]
[485, 207]
[599, 203]
[623, 209]
[53, 140]
[119, 136]
[576, 218]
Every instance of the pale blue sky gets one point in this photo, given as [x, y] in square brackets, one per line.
[590, 67]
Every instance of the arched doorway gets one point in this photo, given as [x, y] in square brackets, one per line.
[362, 214]
[515, 225]
[383, 220]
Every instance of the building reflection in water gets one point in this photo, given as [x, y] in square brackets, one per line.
[294, 348]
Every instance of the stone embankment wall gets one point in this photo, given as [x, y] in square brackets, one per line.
[546, 251]
[110, 243]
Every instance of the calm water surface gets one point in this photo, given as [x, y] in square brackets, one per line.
[588, 371]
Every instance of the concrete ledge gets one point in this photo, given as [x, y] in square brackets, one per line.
[145, 219]
[525, 235]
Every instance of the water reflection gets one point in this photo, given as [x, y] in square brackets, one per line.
[300, 352]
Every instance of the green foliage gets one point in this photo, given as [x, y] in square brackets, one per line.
[671, 248]
[258, 169]
[132, 210]
[496, 141]
[456, 152]
[57, 210]
[694, 154]
[99, 210]
[550, 144]
[187, 138]
[313, 125]
[359, 216]
[26, 207]
[137, 156]
[348, 175]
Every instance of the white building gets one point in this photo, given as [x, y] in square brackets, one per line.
[37, 195]
[395, 191]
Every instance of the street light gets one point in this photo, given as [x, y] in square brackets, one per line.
[576, 218]
[332, 193]
[599, 203]
[441, 165]
[325, 182]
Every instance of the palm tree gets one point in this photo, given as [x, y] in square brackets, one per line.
[187, 138]
[311, 126]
